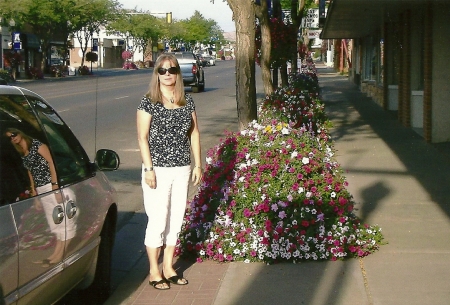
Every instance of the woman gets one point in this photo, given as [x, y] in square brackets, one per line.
[38, 161]
[167, 130]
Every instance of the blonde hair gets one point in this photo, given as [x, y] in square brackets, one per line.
[27, 139]
[154, 91]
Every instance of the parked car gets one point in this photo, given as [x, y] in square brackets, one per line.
[191, 70]
[210, 60]
[203, 60]
[61, 238]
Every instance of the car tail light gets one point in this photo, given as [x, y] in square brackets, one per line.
[194, 69]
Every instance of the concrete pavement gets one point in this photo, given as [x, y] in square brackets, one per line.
[398, 182]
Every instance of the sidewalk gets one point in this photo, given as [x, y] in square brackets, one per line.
[398, 182]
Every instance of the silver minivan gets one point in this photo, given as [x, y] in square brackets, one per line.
[60, 238]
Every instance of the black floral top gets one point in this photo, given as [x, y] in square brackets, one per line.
[168, 135]
[37, 165]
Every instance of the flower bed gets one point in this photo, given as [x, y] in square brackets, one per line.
[128, 65]
[84, 70]
[35, 73]
[274, 192]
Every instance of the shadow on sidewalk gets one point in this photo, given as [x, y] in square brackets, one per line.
[355, 117]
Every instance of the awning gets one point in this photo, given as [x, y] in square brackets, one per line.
[360, 18]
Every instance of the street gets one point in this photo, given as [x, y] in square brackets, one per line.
[101, 111]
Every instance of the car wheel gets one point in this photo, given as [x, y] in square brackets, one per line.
[100, 289]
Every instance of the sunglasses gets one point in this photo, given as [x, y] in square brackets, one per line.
[172, 70]
[13, 135]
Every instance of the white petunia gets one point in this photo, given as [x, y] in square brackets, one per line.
[305, 160]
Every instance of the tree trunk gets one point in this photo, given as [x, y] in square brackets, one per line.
[244, 18]
[266, 46]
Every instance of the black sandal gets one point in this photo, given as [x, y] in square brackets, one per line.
[176, 280]
[160, 282]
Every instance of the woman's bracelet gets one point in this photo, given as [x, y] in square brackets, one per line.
[199, 167]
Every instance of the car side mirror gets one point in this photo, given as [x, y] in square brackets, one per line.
[107, 160]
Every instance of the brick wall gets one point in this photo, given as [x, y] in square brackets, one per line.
[428, 57]
[404, 105]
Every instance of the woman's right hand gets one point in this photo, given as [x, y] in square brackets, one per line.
[150, 179]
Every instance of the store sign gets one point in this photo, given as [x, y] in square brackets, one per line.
[314, 34]
[17, 45]
[95, 44]
[312, 19]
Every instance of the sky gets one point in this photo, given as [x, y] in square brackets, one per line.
[183, 9]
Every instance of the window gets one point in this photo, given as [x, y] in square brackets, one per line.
[71, 162]
[15, 113]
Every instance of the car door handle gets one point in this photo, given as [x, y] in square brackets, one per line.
[71, 209]
[58, 214]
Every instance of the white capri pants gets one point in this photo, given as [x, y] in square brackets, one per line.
[165, 205]
[49, 203]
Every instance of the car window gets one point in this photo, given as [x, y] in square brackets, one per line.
[15, 112]
[71, 161]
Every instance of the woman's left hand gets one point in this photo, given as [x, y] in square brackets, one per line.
[197, 174]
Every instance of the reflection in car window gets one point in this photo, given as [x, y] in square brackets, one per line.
[71, 161]
[15, 112]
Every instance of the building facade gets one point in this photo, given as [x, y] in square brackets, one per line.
[399, 57]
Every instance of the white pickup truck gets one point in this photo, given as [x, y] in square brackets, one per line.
[191, 70]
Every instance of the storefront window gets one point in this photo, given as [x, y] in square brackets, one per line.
[374, 53]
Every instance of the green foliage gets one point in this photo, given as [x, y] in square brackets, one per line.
[57, 19]
[6, 75]
[287, 4]
[199, 29]
[91, 57]
[140, 25]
